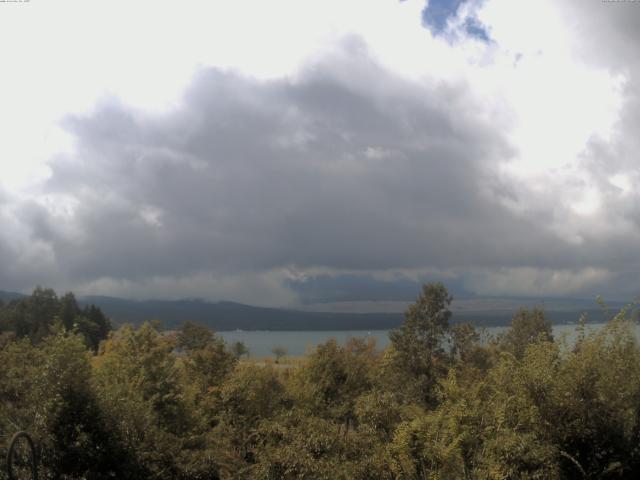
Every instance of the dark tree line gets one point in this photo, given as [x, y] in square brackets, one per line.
[43, 313]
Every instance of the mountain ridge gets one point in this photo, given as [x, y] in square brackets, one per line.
[225, 315]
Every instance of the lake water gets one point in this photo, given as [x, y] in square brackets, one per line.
[260, 343]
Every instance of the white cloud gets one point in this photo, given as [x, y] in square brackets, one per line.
[622, 182]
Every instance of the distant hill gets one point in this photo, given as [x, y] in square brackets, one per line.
[225, 316]
[6, 296]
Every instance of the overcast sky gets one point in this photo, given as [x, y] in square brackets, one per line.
[248, 150]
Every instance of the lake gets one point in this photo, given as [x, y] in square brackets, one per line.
[260, 343]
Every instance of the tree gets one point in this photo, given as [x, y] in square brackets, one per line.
[418, 348]
[138, 383]
[193, 336]
[68, 310]
[239, 349]
[33, 316]
[279, 352]
[468, 350]
[527, 327]
[94, 324]
[207, 362]
[43, 313]
[46, 389]
[335, 376]
[296, 445]
[249, 396]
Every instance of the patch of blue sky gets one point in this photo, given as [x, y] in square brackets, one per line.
[436, 15]
[474, 28]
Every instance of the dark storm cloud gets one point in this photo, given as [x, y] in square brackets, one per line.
[344, 166]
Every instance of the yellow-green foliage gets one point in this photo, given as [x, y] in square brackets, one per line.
[183, 406]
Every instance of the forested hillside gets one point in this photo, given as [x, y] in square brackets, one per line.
[440, 403]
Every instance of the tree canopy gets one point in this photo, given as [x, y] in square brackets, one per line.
[441, 402]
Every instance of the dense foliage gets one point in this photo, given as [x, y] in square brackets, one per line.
[441, 402]
[44, 313]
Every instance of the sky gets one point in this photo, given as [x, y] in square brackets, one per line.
[274, 153]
